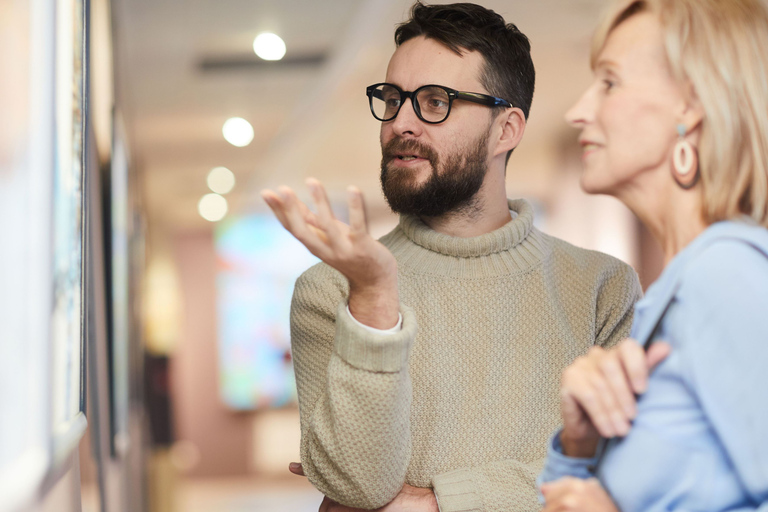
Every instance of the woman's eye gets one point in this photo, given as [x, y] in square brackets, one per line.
[608, 84]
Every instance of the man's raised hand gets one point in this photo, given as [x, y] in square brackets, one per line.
[368, 266]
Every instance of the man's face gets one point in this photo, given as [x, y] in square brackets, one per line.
[433, 169]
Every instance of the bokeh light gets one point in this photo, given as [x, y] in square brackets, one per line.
[237, 131]
[221, 180]
[269, 46]
[212, 207]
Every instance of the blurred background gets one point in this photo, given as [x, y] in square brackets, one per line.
[144, 349]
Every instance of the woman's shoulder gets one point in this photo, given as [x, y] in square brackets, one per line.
[724, 287]
[729, 254]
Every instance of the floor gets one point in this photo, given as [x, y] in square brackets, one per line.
[247, 495]
[241, 494]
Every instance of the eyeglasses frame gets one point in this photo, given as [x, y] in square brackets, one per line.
[453, 94]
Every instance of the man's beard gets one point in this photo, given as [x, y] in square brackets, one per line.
[451, 189]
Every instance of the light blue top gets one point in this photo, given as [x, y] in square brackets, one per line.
[700, 439]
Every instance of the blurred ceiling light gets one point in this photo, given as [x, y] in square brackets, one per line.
[237, 131]
[269, 46]
[212, 207]
[221, 180]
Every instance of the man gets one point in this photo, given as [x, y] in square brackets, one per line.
[459, 413]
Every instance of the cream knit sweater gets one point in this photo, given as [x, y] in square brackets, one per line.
[466, 405]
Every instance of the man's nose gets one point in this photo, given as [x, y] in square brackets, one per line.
[407, 122]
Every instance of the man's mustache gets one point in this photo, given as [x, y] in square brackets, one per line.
[400, 146]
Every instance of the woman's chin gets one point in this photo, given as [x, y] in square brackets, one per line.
[591, 186]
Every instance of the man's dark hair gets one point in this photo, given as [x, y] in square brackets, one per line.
[508, 71]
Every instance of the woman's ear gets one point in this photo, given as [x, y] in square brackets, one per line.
[512, 129]
[693, 111]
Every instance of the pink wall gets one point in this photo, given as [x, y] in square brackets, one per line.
[222, 436]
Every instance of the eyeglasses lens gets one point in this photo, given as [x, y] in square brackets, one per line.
[385, 102]
[433, 103]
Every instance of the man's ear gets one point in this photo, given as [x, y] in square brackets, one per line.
[512, 123]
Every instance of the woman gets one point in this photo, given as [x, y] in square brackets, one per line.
[675, 125]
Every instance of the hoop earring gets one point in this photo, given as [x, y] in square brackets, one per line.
[685, 161]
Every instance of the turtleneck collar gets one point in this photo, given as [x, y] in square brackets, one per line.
[503, 239]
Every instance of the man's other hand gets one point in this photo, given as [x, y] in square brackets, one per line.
[410, 499]
[597, 393]
[368, 266]
[296, 468]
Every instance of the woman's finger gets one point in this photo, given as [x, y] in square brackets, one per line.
[633, 359]
[553, 492]
[619, 398]
[595, 397]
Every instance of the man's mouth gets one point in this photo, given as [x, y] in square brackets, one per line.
[407, 154]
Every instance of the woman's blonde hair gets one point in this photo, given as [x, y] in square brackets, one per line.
[719, 48]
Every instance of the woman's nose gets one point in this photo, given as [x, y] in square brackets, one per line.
[581, 112]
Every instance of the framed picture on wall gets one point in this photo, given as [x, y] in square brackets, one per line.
[67, 400]
[118, 289]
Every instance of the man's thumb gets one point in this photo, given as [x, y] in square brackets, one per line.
[657, 352]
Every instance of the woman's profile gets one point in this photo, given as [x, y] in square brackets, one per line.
[675, 125]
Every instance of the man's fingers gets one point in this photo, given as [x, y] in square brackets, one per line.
[298, 226]
[309, 216]
[357, 221]
[325, 215]
[296, 468]
[275, 203]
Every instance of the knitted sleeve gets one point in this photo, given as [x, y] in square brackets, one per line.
[618, 292]
[354, 395]
[506, 485]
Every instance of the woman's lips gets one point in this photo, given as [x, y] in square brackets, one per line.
[588, 148]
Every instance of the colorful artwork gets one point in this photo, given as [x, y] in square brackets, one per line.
[258, 264]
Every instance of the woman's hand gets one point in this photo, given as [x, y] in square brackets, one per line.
[576, 495]
[597, 393]
[368, 266]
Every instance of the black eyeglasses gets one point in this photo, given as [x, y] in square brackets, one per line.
[432, 103]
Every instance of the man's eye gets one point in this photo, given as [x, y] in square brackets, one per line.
[437, 103]
[392, 102]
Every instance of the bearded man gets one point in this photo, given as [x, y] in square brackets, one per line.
[458, 414]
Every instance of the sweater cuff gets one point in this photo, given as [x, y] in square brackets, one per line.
[391, 330]
[457, 492]
[374, 351]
